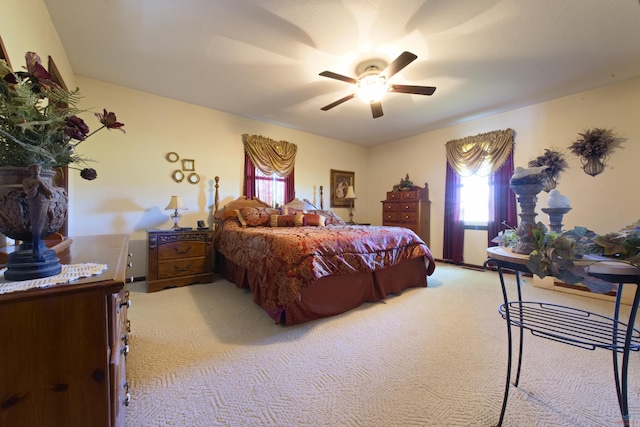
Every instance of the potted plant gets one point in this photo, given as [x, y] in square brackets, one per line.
[555, 163]
[39, 131]
[593, 147]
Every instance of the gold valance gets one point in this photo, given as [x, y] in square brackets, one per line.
[481, 154]
[270, 156]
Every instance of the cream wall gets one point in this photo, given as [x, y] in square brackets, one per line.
[603, 203]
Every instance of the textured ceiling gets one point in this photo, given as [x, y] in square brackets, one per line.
[261, 58]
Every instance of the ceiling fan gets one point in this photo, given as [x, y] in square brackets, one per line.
[373, 83]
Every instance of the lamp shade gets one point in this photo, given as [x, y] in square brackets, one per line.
[176, 204]
[350, 193]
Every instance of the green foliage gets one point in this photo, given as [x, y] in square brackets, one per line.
[38, 118]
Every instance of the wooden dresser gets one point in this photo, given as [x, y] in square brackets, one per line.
[63, 348]
[410, 209]
[178, 258]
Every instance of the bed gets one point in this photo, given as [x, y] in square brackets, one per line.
[302, 263]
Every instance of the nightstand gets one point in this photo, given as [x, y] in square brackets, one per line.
[178, 258]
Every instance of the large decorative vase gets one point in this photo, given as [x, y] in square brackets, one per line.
[593, 165]
[31, 208]
[527, 198]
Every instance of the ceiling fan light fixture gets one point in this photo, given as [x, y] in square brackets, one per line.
[371, 86]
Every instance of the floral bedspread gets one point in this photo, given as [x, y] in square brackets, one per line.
[289, 258]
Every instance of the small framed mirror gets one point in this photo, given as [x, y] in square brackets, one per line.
[193, 178]
[177, 175]
[172, 157]
[188, 165]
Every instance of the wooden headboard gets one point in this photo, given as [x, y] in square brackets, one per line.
[243, 202]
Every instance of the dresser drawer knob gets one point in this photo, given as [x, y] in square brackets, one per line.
[127, 395]
[406, 217]
[125, 350]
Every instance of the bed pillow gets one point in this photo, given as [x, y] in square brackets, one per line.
[309, 220]
[283, 220]
[329, 217]
[256, 217]
[287, 210]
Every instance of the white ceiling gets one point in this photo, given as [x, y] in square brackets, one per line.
[261, 58]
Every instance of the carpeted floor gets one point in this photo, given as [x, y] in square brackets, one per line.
[206, 355]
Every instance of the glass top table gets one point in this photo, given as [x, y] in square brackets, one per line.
[569, 325]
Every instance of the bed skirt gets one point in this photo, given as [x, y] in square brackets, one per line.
[331, 295]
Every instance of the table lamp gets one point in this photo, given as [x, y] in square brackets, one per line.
[351, 196]
[176, 204]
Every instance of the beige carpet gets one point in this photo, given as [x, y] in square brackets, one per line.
[206, 355]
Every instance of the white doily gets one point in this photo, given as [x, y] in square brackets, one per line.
[68, 274]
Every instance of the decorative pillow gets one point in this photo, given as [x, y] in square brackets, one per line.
[240, 218]
[287, 210]
[283, 220]
[330, 217]
[255, 217]
[313, 220]
[228, 214]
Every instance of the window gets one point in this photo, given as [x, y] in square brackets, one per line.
[474, 201]
[270, 189]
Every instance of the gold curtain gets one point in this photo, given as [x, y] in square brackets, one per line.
[481, 154]
[270, 156]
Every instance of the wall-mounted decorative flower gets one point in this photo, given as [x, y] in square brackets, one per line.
[593, 149]
[555, 163]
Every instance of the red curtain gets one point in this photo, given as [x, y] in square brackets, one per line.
[250, 181]
[453, 228]
[502, 208]
[502, 201]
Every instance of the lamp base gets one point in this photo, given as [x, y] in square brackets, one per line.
[176, 218]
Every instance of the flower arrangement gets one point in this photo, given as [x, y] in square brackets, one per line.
[594, 142]
[554, 253]
[553, 160]
[39, 122]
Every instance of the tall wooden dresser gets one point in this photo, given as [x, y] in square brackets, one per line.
[410, 209]
[63, 348]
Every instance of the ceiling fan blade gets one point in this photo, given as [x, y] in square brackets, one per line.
[376, 109]
[416, 90]
[338, 102]
[336, 76]
[398, 64]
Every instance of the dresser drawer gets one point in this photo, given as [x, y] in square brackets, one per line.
[181, 249]
[390, 207]
[390, 217]
[393, 195]
[408, 217]
[410, 195]
[408, 207]
[180, 267]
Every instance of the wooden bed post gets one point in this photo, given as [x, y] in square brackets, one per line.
[216, 201]
[321, 199]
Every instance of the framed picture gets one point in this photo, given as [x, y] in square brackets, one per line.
[340, 182]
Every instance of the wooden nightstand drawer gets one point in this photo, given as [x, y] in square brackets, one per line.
[180, 267]
[181, 249]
